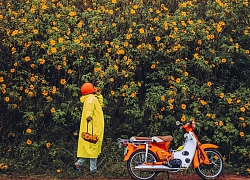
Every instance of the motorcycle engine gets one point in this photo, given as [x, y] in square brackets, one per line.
[175, 163]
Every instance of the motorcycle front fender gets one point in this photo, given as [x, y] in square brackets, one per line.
[130, 149]
[200, 150]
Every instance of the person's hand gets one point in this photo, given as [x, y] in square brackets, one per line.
[89, 118]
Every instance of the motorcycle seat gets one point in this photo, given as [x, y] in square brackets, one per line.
[154, 138]
[138, 138]
[162, 138]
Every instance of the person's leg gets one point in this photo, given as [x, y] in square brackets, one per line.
[79, 163]
[93, 167]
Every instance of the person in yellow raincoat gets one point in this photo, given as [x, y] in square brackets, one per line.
[92, 122]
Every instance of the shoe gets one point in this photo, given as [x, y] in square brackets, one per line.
[93, 171]
[93, 174]
[76, 167]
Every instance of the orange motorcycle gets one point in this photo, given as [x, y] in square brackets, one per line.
[147, 156]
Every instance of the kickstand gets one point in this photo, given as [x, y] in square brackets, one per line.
[168, 174]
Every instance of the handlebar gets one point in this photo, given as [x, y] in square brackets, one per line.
[122, 142]
[189, 126]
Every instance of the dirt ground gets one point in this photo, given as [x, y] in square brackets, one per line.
[159, 177]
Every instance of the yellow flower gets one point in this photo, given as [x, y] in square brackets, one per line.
[48, 144]
[133, 94]
[209, 84]
[29, 142]
[221, 123]
[242, 109]
[132, 11]
[135, 7]
[196, 56]
[14, 33]
[12, 70]
[222, 95]
[141, 30]
[183, 13]
[32, 65]
[73, 13]
[69, 71]
[62, 81]
[128, 36]
[44, 7]
[153, 66]
[248, 170]
[60, 40]
[208, 115]
[112, 93]
[157, 38]
[27, 58]
[125, 86]
[58, 170]
[223, 60]
[241, 118]
[75, 133]
[114, 1]
[183, 106]
[7, 99]
[42, 61]
[45, 93]
[13, 50]
[31, 118]
[53, 50]
[229, 101]
[35, 31]
[162, 98]
[52, 110]
[178, 80]
[52, 42]
[183, 118]
[216, 123]
[242, 134]
[171, 107]
[203, 102]
[58, 67]
[28, 130]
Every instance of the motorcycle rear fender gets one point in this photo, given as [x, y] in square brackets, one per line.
[200, 150]
[130, 149]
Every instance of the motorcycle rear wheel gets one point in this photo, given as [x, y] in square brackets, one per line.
[137, 158]
[214, 169]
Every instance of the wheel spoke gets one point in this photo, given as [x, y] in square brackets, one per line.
[214, 169]
[137, 159]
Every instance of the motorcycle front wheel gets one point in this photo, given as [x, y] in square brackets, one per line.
[212, 170]
[137, 158]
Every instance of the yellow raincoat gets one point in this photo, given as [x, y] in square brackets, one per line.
[91, 107]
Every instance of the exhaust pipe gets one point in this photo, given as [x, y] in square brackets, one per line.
[155, 168]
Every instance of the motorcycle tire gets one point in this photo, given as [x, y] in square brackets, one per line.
[214, 169]
[137, 158]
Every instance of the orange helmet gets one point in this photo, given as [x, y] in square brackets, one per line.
[87, 88]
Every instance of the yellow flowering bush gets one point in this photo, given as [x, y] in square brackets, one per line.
[155, 61]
